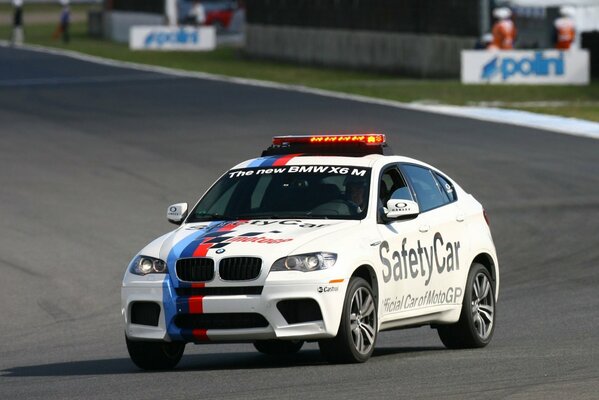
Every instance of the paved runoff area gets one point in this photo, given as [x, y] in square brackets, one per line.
[92, 154]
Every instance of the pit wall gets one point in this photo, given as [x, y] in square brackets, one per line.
[116, 24]
[419, 55]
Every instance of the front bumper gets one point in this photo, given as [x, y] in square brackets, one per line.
[158, 289]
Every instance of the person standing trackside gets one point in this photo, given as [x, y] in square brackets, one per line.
[17, 30]
[564, 29]
[504, 30]
[483, 42]
[198, 13]
[65, 20]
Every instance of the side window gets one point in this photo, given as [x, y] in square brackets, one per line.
[447, 188]
[393, 186]
[428, 191]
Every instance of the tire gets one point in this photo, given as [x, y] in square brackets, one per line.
[358, 328]
[477, 320]
[155, 355]
[277, 347]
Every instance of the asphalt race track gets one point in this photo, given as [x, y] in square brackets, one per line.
[91, 156]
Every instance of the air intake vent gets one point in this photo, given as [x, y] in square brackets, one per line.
[195, 269]
[239, 268]
[220, 291]
[296, 311]
[221, 321]
[145, 313]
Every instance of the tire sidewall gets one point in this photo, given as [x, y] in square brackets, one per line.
[467, 305]
[150, 355]
[354, 285]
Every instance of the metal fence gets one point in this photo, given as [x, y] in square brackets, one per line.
[590, 41]
[449, 17]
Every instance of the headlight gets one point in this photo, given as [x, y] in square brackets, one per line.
[143, 265]
[305, 262]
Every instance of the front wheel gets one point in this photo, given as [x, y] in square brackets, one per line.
[358, 328]
[477, 321]
[155, 355]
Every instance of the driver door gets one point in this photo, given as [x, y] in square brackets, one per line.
[401, 260]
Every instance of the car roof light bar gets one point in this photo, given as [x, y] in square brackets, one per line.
[366, 138]
[356, 145]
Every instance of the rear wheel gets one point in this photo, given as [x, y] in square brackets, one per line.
[277, 347]
[358, 329]
[155, 355]
[477, 321]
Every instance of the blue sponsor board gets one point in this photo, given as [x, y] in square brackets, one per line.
[172, 38]
[539, 65]
[532, 67]
[181, 37]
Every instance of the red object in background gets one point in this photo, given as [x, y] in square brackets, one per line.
[219, 17]
[565, 32]
[504, 35]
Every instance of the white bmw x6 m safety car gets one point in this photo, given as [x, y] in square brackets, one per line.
[323, 238]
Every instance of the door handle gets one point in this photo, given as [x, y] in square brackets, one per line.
[460, 217]
[424, 228]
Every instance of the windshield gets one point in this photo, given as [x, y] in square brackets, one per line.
[306, 191]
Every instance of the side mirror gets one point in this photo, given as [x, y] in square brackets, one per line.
[176, 213]
[399, 209]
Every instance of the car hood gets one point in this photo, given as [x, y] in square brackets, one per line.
[277, 238]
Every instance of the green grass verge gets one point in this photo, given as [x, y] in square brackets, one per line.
[577, 101]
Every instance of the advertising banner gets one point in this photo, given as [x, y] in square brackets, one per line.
[172, 38]
[529, 67]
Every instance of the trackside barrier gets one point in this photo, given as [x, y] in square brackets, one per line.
[529, 67]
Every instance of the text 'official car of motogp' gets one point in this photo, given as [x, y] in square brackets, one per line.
[323, 238]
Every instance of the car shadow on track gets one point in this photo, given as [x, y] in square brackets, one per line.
[196, 362]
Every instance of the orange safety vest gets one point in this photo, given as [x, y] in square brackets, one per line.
[565, 33]
[504, 34]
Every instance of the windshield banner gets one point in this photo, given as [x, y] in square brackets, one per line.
[299, 169]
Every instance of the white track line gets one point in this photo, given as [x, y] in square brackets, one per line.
[569, 126]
